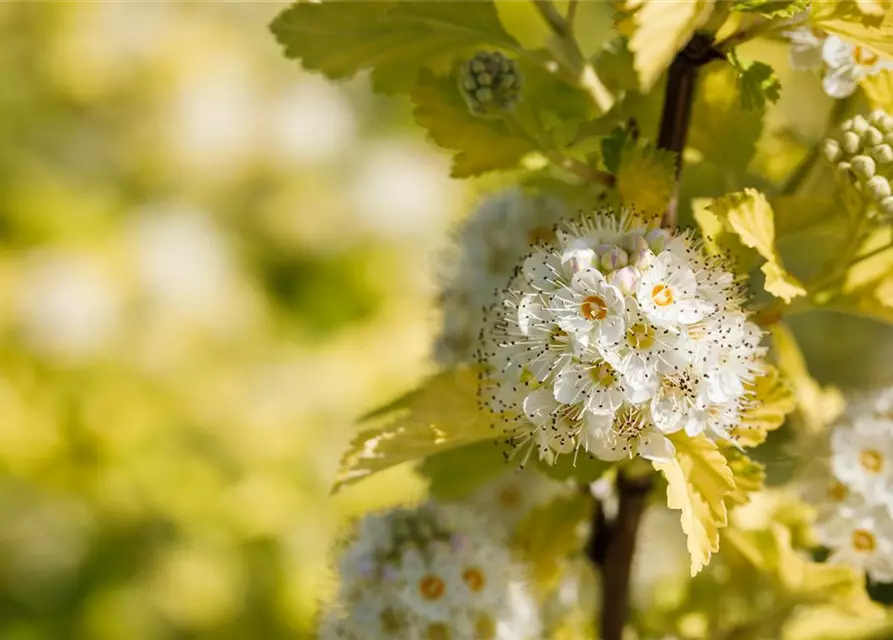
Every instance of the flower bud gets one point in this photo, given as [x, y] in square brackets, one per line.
[872, 137]
[490, 84]
[888, 138]
[831, 150]
[625, 279]
[886, 125]
[851, 143]
[580, 258]
[657, 240]
[876, 117]
[643, 259]
[864, 167]
[860, 124]
[886, 206]
[603, 248]
[847, 125]
[616, 258]
[883, 153]
[635, 242]
[878, 188]
[844, 169]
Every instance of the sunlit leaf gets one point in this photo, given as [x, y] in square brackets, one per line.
[645, 178]
[699, 481]
[441, 415]
[455, 473]
[771, 8]
[749, 476]
[865, 22]
[758, 83]
[773, 401]
[394, 39]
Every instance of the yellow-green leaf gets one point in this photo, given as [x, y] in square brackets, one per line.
[749, 476]
[879, 90]
[455, 473]
[645, 178]
[442, 415]
[657, 31]
[865, 22]
[394, 39]
[480, 145]
[699, 481]
[548, 535]
[817, 407]
[749, 214]
[772, 401]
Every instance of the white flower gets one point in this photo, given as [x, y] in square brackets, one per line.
[863, 539]
[612, 337]
[862, 458]
[512, 495]
[806, 48]
[847, 64]
[432, 572]
[590, 308]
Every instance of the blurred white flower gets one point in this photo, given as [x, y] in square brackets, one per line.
[806, 48]
[847, 65]
[68, 306]
[311, 123]
[402, 190]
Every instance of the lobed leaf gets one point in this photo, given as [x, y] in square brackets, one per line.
[868, 23]
[441, 415]
[455, 473]
[773, 400]
[646, 177]
[394, 39]
[771, 8]
[699, 481]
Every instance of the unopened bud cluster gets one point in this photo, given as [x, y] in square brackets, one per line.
[863, 154]
[490, 83]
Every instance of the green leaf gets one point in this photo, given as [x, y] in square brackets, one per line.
[646, 178]
[582, 467]
[817, 407]
[771, 8]
[699, 481]
[794, 214]
[758, 83]
[773, 400]
[548, 536]
[454, 474]
[723, 131]
[441, 415]
[394, 39]
[749, 476]
[657, 31]
[480, 145]
[749, 214]
[612, 146]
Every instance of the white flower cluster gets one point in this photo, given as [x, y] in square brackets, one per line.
[844, 64]
[487, 248]
[855, 497]
[510, 497]
[435, 572]
[615, 335]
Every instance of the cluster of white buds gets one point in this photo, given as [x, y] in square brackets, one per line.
[486, 249]
[854, 497]
[863, 154]
[490, 84]
[434, 572]
[615, 335]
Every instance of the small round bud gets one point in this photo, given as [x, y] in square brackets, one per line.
[614, 259]
[657, 240]
[844, 169]
[888, 138]
[851, 143]
[883, 153]
[878, 188]
[635, 242]
[872, 137]
[876, 117]
[831, 150]
[864, 167]
[603, 248]
[886, 206]
[625, 279]
[847, 125]
[490, 84]
[860, 124]
[642, 259]
[580, 259]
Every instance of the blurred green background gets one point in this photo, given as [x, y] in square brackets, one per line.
[210, 264]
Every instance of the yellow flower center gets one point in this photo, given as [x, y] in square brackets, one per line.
[474, 578]
[594, 308]
[539, 235]
[640, 336]
[603, 375]
[662, 295]
[432, 588]
[864, 56]
[863, 541]
[510, 497]
[484, 628]
[871, 460]
[837, 492]
[438, 631]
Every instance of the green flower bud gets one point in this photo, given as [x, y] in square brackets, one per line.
[490, 84]
[624, 279]
[860, 124]
[883, 153]
[864, 167]
[872, 137]
[642, 259]
[886, 206]
[657, 239]
[844, 168]
[876, 117]
[614, 259]
[878, 188]
[886, 125]
[831, 150]
[847, 125]
[851, 143]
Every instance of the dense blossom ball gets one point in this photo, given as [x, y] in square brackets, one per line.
[853, 493]
[435, 572]
[613, 336]
[486, 249]
[490, 84]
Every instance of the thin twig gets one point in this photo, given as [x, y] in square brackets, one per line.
[571, 16]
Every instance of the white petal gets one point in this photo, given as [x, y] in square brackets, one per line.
[836, 52]
[654, 446]
[840, 83]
